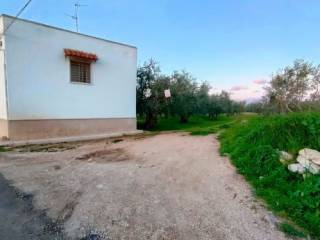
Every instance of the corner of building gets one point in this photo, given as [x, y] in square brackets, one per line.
[4, 125]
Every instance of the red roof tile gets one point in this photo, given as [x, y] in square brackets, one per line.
[80, 54]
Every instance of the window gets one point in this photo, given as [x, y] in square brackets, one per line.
[80, 71]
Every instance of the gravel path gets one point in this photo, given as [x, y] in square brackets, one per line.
[167, 186]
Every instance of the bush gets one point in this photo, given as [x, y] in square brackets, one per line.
[253, 147]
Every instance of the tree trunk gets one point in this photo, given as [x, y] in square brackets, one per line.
[151, 121]
[183, 119]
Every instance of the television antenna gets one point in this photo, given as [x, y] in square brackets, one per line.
[75, 17]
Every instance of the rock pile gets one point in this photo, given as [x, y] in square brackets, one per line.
[308, 161]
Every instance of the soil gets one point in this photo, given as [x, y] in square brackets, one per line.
[167, 186]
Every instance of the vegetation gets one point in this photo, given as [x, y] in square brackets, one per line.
[254, 149]
[187, 97]
[291, 231]
[199, 125]
[148, 105]
[293, 88]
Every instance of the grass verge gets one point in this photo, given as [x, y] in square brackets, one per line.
[253, 147]
[291, 231]
[199, 125]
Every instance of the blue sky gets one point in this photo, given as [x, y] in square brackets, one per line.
[231, 44]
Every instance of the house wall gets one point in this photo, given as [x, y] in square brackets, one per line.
[39, 76]
[3, 104]
[59, 128]
[37, 99]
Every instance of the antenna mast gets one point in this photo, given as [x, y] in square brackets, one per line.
[75, 17]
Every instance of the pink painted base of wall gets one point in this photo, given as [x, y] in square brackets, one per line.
[58, 128]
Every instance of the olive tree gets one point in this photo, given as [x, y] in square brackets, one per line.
[147, 105]
[290, 86]
[183, 87]
[203, 98]
[214, 106]
[160, 85]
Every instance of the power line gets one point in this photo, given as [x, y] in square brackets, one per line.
[15, 18]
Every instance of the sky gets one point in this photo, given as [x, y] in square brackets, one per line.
[234, 45]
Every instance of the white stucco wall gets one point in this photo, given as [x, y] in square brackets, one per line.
[38, 75]
[3, 105]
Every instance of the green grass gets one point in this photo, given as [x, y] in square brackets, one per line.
[200, 125]
[291, 231]
[253, 147]
[3, 149]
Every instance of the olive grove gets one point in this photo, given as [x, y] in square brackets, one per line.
[178, 94]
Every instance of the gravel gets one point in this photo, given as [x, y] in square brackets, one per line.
[167, 186]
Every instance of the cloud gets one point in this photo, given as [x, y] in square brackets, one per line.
[260, 81]
[238, 88]
[249, 93]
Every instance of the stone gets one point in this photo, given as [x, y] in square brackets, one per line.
[314, 169]
[296, 168]
[308, 164]
[285, 157]
[310, 154]
[303, 161]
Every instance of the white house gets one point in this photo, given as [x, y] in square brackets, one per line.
[56, 83]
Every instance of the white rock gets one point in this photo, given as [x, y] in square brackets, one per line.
[296, 167]
[308, 164]
[303, 161]
[310, 154]
[314, 169]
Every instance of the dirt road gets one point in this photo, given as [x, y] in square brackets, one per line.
[19, 220]
[168, 186]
